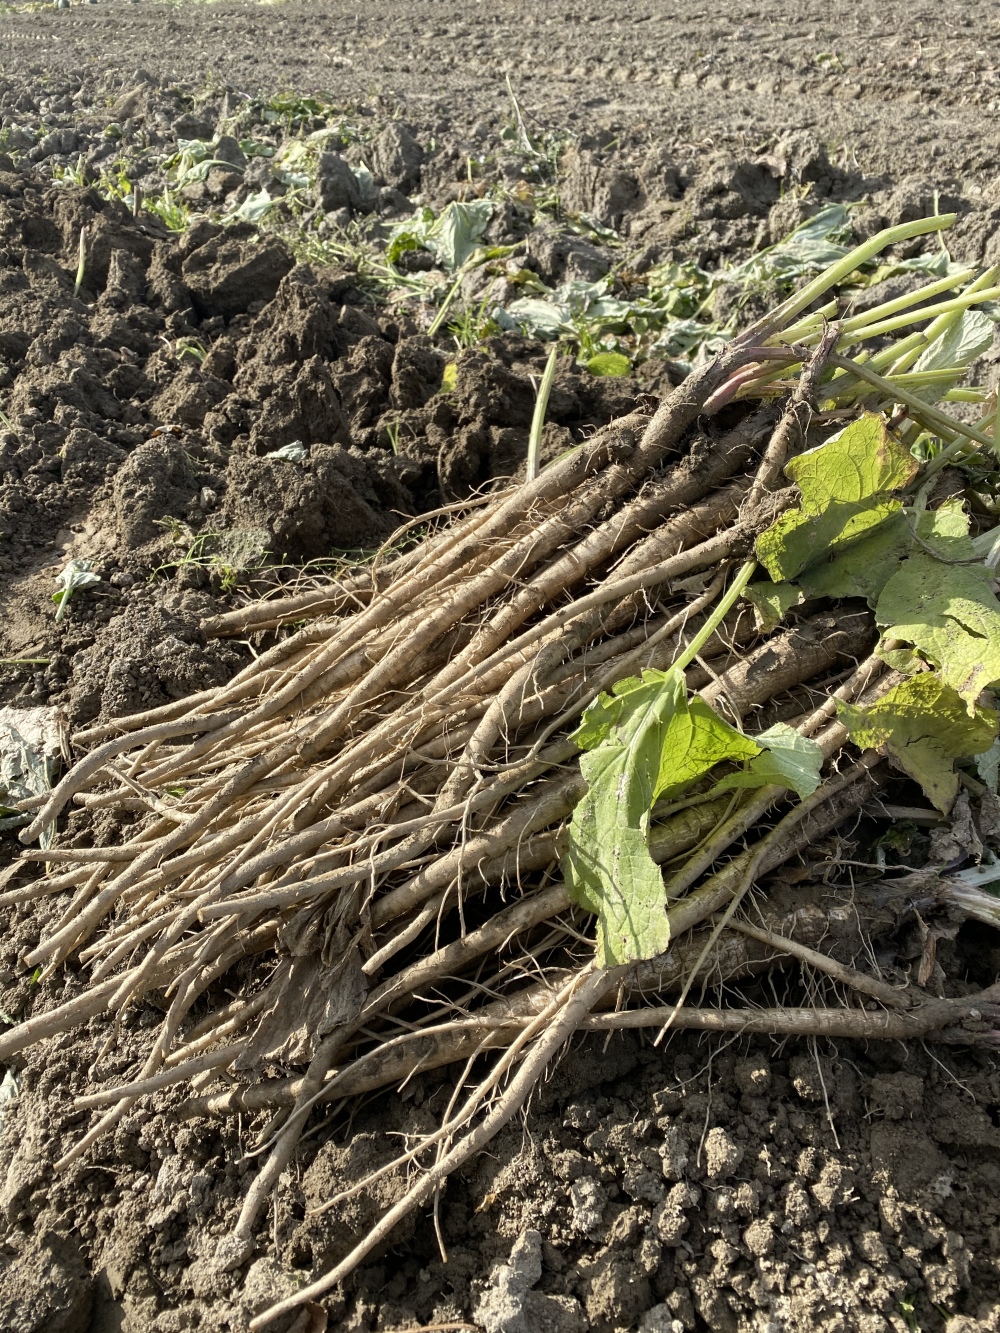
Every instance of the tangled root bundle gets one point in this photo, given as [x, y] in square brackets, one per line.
[371, 817]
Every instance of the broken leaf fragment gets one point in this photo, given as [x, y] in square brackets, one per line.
[786, 759]
[924, 725]
[772, 602]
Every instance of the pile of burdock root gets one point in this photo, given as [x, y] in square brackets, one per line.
[520, 776]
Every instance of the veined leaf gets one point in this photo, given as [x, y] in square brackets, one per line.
[956, 348]
[786, 760]
[457, 231]
[609, 364]
[797, 539]
[951, 615]
[844, 483]
[946, 531]
[644, 741]
[772, 602]
[864, 568]
[861, 462]
[923, 723]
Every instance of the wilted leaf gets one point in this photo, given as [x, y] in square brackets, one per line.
[76, 574]
[642, 742]
[254, 207]
[456, 233]
[9, 1089]
[295, 452]
[788, 759]
[950, 614]
[946, 531]
[988, 766]
[923, 723]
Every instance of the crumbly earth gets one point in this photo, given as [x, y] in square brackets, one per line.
[699, 1185]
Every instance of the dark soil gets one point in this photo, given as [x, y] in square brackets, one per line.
[704, 1185]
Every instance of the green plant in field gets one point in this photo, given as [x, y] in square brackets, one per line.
[473, 325]
[77, 574]
[190, 347]
[392, 431]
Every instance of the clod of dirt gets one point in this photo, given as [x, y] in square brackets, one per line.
[47, 1288]
[148, 654]
[596, 184]
[397, 157]
[156, 479]
[510, 1306]
[336, 184]
[337, 499]
[234, 270]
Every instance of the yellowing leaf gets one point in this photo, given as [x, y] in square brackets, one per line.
[950, 614]
[449, 377]
[924, 725]
[609, 364]
[862, 461]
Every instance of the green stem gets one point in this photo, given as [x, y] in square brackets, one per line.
[538, 419]
[446, 305]
[770, 327]
[716, 618]
[921, 411]
[949, 310]
[946, 320]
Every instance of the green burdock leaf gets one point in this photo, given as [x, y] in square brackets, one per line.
[862, 461]
[864, 568]
[458, 231]
[956, 348]
[946, 531]
[609, 364]
[950, 614]
[798, 539]
[772, 602]
[925, 726]
[786, 759]
[844, 483]
[409, 235]
[642, 742]
[866, 565]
